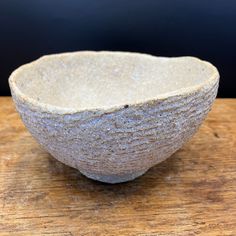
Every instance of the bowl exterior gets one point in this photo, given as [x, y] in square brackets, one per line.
[119, 145]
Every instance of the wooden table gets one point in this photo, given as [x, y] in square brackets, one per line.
[192, 193]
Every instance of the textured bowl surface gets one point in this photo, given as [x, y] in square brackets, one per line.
[113, 115]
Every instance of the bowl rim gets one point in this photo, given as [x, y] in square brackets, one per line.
[48, 108]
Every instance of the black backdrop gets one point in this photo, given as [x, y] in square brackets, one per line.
[202, 28]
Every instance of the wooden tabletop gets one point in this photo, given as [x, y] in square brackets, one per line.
[192, 193]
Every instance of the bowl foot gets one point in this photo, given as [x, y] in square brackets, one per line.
[113, 179]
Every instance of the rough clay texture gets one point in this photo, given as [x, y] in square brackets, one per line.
[122, 145]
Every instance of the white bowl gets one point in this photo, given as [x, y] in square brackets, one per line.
[113, 115]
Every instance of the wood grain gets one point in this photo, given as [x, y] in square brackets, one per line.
[192, 193]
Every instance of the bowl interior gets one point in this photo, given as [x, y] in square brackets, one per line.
[88, 80]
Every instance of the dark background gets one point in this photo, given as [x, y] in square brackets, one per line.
[202, 28]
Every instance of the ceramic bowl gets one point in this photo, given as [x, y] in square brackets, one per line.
[113, 115]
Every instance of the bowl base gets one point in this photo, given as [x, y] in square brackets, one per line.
[113, 179]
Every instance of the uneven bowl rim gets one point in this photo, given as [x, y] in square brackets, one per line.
[36, 105]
